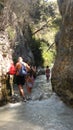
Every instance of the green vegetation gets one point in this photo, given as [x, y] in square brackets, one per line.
[39, 21]
[47, 25]
[37, 52]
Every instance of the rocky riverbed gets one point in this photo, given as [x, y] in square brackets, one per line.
[44, 112]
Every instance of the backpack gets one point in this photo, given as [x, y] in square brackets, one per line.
[12, 69]
[22, 71]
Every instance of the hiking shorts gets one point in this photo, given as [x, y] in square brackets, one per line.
[20, 80]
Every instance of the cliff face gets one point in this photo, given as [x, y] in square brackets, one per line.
[13, 42]
[62, 73]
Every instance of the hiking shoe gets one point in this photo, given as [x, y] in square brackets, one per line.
[29, 98]
[24, 99]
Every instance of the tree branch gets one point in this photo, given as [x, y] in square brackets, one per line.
[40, 28]
[50, 46]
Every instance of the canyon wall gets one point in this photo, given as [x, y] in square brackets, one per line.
[62, 73]
[13, 42]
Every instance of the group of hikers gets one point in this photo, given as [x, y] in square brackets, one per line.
[24, 75]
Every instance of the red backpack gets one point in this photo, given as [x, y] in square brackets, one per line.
[12, 69]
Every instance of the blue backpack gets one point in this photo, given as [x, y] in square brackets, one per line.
[22, 71]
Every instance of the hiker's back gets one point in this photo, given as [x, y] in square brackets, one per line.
[47, 71]
[20, 69]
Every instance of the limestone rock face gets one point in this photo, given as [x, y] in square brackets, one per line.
[62, 73]
[13, 43]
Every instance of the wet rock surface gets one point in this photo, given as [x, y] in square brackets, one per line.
[44, 112]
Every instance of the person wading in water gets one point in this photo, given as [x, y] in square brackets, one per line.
[20, 78]
[47, 73]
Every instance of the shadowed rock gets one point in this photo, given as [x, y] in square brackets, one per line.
[62, 73]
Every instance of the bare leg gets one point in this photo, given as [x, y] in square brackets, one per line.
[11, 83]
[29, 89]
[21, 91]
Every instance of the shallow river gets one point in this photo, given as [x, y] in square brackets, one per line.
[44, 112]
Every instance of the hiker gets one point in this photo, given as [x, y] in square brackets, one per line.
[20, 78]
[29, 83]
[47, 73]
[10, 74]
